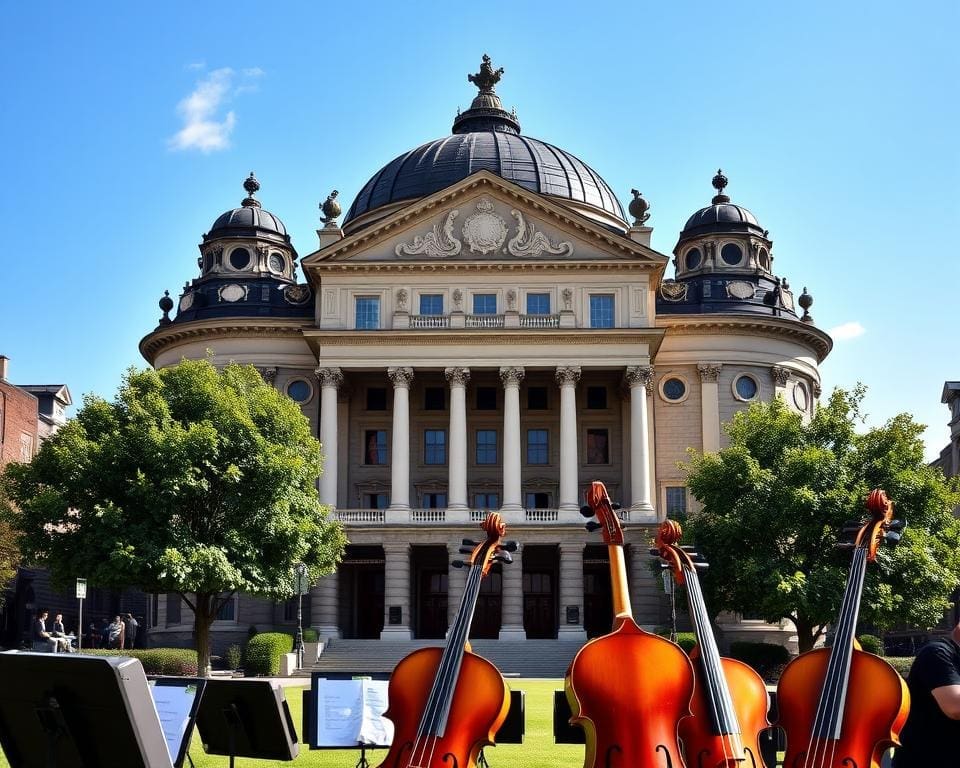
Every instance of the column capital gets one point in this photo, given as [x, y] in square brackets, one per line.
[640, 375]
[780, 375]
[269, 375]
[511, 375]
[568, 374]
[329, 377]
[458, 377]
[709, 371]
[817, 390]
[401, 377]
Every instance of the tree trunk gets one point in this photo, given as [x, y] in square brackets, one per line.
[202, 619]
[806, 635]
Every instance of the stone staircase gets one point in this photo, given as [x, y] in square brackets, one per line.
[514, 658]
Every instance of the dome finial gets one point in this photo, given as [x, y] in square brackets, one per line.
[252, 186]
[166, 304]
[331, 209]
[806, 301]
[639, 208]
[720, 183]
[486, 112]
[487, 77]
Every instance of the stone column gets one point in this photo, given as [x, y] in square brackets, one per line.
[457, 483]
[781, 376]
[511, 378]
[640, 379]
[646, 593]
[571, 591]
[511, 600]
[400, 445]
[396, 590]
[567, 378]
[324, 607]
[456, 581]
[330, 380]
[710, 405]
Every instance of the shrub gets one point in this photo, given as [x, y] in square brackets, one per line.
[180, 662]
[310, 635]
[901, 663]
[686, 640]
[768, 659]
[264, 652]
[871, 644]
[233, 656]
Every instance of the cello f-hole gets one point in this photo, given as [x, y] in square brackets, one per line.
[452, 757]
[700, 755]
[403, 748]
[753, 760]
[849, 761]
[666, 754]
[608, 761]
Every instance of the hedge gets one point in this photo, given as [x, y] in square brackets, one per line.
[310, 635]
[871, 644]
[768, 659]
[901, 663]
[181, 662]
[264, 652]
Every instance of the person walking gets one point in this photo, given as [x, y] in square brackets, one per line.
[130, 626]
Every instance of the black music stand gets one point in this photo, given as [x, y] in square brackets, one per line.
[74, 711]
[177, 701]
[246, 718]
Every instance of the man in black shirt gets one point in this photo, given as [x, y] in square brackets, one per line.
[931, 737]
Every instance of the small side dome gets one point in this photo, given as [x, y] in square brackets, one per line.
[249, 220]
[721, 215]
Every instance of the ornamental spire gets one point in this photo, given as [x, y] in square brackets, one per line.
[487, 77]
[252, 186]
[720, 183]
[486, 113]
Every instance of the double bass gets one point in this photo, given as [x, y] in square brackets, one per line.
[730, 699]
[630, 688]
[447, 703]
[843, 707]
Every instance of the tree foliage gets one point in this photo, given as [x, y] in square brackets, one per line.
[775, 500]
[192, 480]
[9, 543]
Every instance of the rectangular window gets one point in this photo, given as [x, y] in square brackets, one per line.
[376, 399]
[173, 609]
[434, 500]
[537, 500]
[598, 446]
[431, 304]
[376, 451]
[155, 610]
[290, 609]
[368, 312]
[486, 446]
[601, 310]
[538, 303]
[434, 399]
[676, 500]
[597, 398]
[537, 399]
[486, 501]
[435, 446]
[484, 303]
[227, 611]
[486, 398]
[537, 446]
[377, 500]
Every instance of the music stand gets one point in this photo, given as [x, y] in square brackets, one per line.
[73, 711]
[246, 718]
[177, 701]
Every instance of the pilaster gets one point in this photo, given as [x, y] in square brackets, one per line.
[396, 590]
[511, 600]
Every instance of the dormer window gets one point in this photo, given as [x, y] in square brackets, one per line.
[239, 258]
[693, 258]
[732, 254]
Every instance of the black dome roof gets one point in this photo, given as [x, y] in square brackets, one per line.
[249, 220]
[721, 215]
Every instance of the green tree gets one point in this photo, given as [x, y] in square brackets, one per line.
[9, 543]
[193, 480]
[775, 500]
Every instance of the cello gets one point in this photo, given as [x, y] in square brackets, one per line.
[730, 699]
[447, 703]
[628, 689]
[843, 707]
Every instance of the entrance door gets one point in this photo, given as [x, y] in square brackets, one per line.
[432, 619]
[597, 592]
[486, 618]
[540, 591]
[360, 602]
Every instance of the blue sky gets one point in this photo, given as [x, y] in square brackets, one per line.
[129, 127]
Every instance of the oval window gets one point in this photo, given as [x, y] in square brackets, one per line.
[800, 396]
[731, 254]
[239, 258]
[674, 389]
[277, 262]
[300, 391]
[693, 258]
[746, 387]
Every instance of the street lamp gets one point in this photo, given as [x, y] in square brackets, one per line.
[300, 571]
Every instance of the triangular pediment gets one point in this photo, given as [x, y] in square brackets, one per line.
[484, 218]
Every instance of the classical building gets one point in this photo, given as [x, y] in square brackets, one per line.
[487, 331]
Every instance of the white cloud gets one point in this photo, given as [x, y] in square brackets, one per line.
[847, 331]
[253, 72]
[204, 127]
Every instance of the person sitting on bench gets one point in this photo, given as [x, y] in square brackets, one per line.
[43, 640]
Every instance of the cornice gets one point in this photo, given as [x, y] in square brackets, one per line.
[757, 325]
[155, 341]
[492, 267]
[346, 338]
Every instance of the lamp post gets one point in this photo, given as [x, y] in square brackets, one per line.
[300, 572]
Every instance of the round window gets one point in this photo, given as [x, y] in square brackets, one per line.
[800, 396]
[276, 262]
[674, 389]
[300, 391]
[731, 254]
[693, 258]
[745, 387]
[239, 258]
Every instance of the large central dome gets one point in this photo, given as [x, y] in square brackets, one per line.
[486, 137]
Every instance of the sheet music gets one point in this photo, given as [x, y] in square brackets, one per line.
[351, 711]
[376, 730]
[173, 703]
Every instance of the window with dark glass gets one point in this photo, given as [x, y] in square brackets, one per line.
[598, 446]
[537, 446]
[154, 609]
[601, 310]
[486, 446]
[173, 609]
[239, 258]
[435, 446]
[376, 399]
[746, 387]
[693, 258]
[431, 304]
[376, 452]
[299, 390]
[597, 398]
[486, 501]
[731, 254]
[674, 389]
[434, 500]
[486, 398]
[537, 399]
[538, 303]
[484, 303]
[376, 500]
[227, 611]
[368, 312]
[434, 399]
[676, 500]
[537, 500]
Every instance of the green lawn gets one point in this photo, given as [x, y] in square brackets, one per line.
[537, 751]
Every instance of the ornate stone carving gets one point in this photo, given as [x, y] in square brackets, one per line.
[639, 209]
[817, 390]
[457, 299]
[186, 301]
[297, 294]
[215, 253]
[330, 377]
[401, 377]
[640, 375]
[709, 371]
[740, 289]
[458, 377]
[567, 295]
[484, 231]
[402, 299]
[269, 375]
[511, 300]
[510, 375]
[233, 292]
[780, 375]
[528, 242]
[671, 290]
[440, 241]
[331, 209]
[568, 374]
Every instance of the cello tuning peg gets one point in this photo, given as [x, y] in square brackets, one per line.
[509, 546]
[846, 545]
[700, 565]
[897, 525]
[465, 550]
[615, 506]
[586, 510]
[592, 526]
[503, 557]
[458, 564]
[468, 543]
[893, 538]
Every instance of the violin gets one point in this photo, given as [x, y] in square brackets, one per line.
[843, 707]
[447, 703]
[730, 699]
[630, 688]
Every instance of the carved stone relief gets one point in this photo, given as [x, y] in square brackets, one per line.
[671, 290]
[780, 375]
[186, 301]
[440, 241]
[402, 299]
[484, 231]
[740, 289]
[567, 295]
[297, 294]
[709, 371]
[528, 242]
[233, 292]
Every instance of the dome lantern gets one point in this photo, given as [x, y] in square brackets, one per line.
[486, 113]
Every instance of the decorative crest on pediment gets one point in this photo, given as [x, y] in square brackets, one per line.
[484, 231]
[440, 241]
